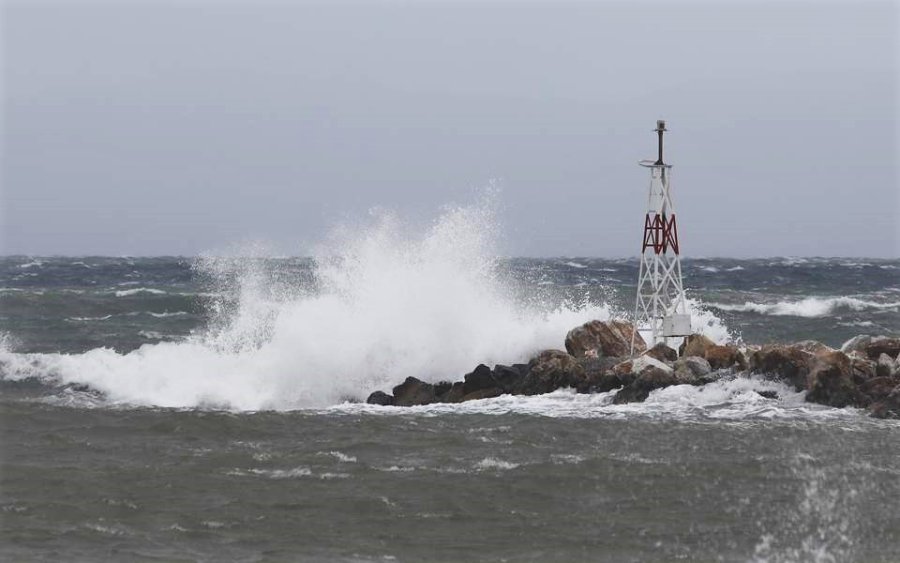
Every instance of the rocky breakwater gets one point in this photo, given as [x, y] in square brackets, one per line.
[864, 373]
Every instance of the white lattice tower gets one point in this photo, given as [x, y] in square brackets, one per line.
[660, 311]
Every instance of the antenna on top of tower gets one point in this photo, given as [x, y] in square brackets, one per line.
[660, 129]
[660, 310]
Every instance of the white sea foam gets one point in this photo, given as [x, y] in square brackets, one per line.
[575, 265]
[139, 290]
[807, 307]
[342, 457]
[731, 399]
[293, 473]
[387, 304]
[494, 464]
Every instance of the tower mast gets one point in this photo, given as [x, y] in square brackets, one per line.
[660, 310]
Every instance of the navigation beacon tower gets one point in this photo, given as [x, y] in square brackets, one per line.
[660, 311]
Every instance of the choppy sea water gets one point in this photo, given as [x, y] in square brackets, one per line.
[204, 409]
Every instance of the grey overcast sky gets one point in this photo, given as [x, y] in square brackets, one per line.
[182, 126]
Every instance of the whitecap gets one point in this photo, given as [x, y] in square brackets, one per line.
[88, 319]
[139, 290]
[342, 457]
[807, 307]
[492, 463]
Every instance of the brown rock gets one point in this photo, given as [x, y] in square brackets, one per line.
[480, 378]
[551, 370]
[598, 374]
[691, 369]
[889, 407]
[883, 345]
[662, 353]
[885, 366]
[861, 369]
[695, 345]
[508, 378]
[649, 379]
[723, 357]
[413, 392]
[610, 338]
[830, 383]
[782, 362]
[380, 398]
[454, 395]
[878, 388]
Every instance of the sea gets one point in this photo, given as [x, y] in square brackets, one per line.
[212, 408]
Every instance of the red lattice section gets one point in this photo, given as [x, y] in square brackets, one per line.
[660, 234]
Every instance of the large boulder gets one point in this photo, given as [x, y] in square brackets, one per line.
[878, 388]
[551, 370]
[861, 369]
[414, 392]
[508, 378]
[502, 378]
[695, 345]
[725, 357]
[885, 366]
[380, 398]
[782, 362]
[650, 374]
[662, 353]
[692, 369]
[889, 407]
[872, 346]
[455, 394]
[480, 378]
[604, 338]
[598, 374]
[830, 382]
[888, 345]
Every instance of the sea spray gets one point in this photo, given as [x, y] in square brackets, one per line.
[384, 303]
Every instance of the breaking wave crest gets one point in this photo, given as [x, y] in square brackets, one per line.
[383, 303]
[808, 307]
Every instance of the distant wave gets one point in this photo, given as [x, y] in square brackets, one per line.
[807, 307]
[574, 265]
[139, 290]
[88, 319]
[163, 315]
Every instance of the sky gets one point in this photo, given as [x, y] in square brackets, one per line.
[182, 127]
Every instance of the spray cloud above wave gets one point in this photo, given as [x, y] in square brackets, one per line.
[383, 304]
